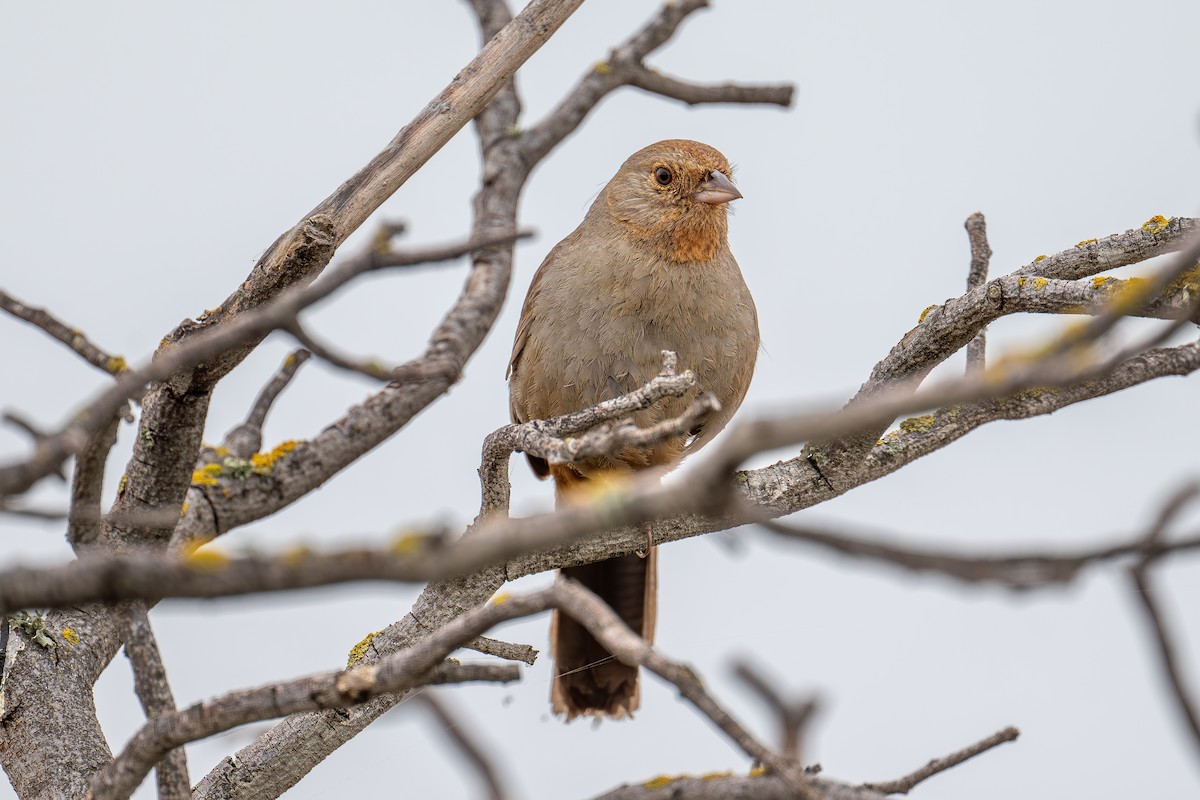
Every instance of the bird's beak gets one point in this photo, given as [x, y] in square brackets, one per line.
[716, 188]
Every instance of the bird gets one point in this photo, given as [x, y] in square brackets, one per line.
[649, 269]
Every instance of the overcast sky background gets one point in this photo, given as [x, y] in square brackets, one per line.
[150, 152]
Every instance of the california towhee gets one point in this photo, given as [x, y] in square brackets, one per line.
[649, 269]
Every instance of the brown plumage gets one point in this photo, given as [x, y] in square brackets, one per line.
[649, 269]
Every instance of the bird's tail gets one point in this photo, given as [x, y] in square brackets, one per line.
[588, 680]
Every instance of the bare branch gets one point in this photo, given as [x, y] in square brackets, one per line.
[981, 253]
[509, 651]
[1156, 237]
[35, 433]
[793, 715]
[693, 94]
[325, 690]
[1168, 656]
[202, 348]
[71, 337]
[87, 486]
[722, 786]
[624, 67]
[945, 329]
[905, 784]
[456, 731]
[154, 692]
[370, 367]
[45, 514]
[246, 439]
[1139, 573]
[526, 541]
[717, 786]
[1024, 570]
[629, 648]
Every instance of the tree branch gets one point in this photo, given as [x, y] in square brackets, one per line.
[326, 690]
[203, 348]
[1139, 574]
[154, 692]
[245, 439]
[904, 785]
[456, 731]
[624, 67]
[792, 715]
[981, 253]
[71, 337]
[568, 537]
[653, 81]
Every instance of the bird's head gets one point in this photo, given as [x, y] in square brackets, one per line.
[674, 196]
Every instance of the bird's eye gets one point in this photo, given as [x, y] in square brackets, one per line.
[663, 176]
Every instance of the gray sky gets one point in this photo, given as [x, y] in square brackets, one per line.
[151, 152]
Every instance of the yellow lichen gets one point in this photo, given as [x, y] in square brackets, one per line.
[1020, 281]
[407, 544]
[500, 598]
[117, 365]
[1086, 242]
[1156, 224]
[1038, 392]
[265, 462]
[713, 776]
[757, 771]
[602, 68]
[1130, 294]
[207, 475]
[123, 485]
[70, 636]
[1099, 281]
[1185, 284]
[183, 508]
[917, 424]
[1040, 283]
[359, 650]
[659, 782]
[1039, 258]
[205, 559]
[295, 555]
[221, 452]
[925, 313]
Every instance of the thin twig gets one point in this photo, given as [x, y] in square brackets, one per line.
[792, 715]
[71, 337]
[1024, 570]
[651, 80]
[35, 433]
[246, 439]
[456, 731]
[981, 254]
[1168, 656]
[509, 651]
[1139, 574]
[905, 784]
[45, 514]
